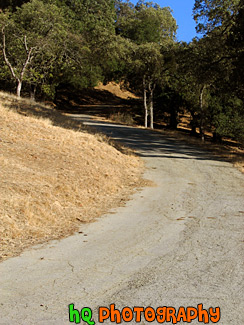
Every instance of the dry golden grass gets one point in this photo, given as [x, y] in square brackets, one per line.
[117, 90]
[240, 165]
[53, 179]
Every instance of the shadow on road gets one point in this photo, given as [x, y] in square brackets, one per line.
[149, 143]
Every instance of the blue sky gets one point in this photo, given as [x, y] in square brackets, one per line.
[182, 12]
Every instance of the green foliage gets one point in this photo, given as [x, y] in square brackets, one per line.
[82, 42]
[235, 44]
[222, 22]
[145, 22]
[214, 13]
[57, 52]
[226, 115]
[149, 29]
[94, 21]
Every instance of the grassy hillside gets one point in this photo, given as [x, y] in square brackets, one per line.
[52, 178]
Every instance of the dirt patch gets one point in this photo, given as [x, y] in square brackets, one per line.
[53, 179]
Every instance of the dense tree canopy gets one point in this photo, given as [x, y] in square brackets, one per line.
[214, 13]
[146, 22]
[151, 30]
[222, 24]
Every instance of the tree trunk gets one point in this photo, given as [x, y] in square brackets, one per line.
[29, 57]
[151, 89]
[145, 100]
[173, 118]
[19, 86]
[55, 100]
[151, 111]
[33, 92]
[201, 112]
[193, 124]
[216, 137]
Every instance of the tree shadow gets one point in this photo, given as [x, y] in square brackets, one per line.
[145, 142]
[149, 143]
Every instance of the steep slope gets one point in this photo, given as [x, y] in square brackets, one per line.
[53, 179]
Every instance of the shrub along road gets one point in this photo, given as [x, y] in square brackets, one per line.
[177, 243]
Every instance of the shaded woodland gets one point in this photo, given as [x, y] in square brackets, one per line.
[49, 45]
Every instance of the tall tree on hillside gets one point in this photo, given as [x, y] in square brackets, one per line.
[38, 47]
[17, 73]
[146, 22]
[235, 44]
[222, 24]
[152, 31]
[203, 66]
[147, 66]
[95, 21]
[23, 36]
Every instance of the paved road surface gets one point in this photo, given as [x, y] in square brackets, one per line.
[179, 243]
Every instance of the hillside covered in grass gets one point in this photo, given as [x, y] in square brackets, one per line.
[53, 179]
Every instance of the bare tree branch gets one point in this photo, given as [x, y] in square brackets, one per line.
[25, 44]
[29, 52]
[5, 56]
[27, 61]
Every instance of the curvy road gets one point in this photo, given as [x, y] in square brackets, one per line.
[177, 244]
